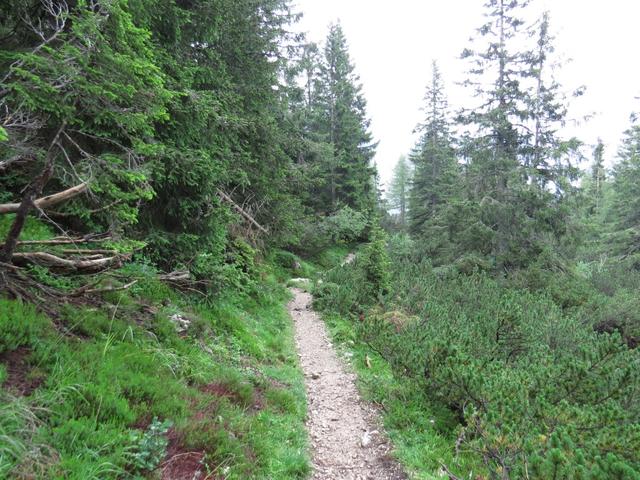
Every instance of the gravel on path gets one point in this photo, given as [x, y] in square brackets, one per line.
[346, 437]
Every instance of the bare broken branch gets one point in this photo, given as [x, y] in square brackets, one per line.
[49, 200]
[52, 261]
[66, 240]
[241, 211]
[85, 290]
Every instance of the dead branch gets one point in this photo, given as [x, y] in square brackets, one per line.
[87, 290]
[48, 201]
[241, 211]
[30, 194]
[52, 261]
[59, 12]
[9, 266]
[448, 472]
[177, 276]
[93, 238]
[85, 251]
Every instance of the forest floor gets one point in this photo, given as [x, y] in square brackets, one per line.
[345, 432]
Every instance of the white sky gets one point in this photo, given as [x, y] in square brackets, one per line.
[392, 44]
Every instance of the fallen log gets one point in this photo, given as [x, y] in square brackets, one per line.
[242, 211]
[52, 261]
[66, 240]
[48, 201]
[177, 276]
[83, 251]
[88, 290]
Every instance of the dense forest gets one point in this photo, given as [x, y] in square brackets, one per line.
[167, 165]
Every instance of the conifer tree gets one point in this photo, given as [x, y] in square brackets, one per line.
[625, 207]
[341, 115]
[597, 181]
[399, 189]
[519, 172]
[433, 157]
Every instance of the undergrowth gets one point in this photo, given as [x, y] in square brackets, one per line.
[149, 378]
[531, 376]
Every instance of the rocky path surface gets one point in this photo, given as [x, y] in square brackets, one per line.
[345, 434]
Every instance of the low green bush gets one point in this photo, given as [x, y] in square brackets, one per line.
[539, 390]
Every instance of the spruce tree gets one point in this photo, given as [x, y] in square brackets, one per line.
[436, 170]
[341, 115]
[597, 181]
[519, 172]
[625, 207]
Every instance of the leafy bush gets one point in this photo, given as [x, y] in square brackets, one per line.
[346, 225]
[343, 227]
[150, 446]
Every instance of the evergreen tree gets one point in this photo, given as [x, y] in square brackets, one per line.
[225, 132]
[398, 195]
[435, 176]
[519, 171]
[625, 207]
[341, 116]
[597, 180]
[80, 93]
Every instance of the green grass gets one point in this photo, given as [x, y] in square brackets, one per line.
[229, 385]
[333, 256]
[422, 432]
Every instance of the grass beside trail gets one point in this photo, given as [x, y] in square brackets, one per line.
[121, 390]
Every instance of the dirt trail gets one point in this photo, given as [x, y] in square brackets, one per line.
[344, 431]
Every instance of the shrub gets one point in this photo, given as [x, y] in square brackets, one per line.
[343, 227]
[150, 447]
[538, 392]
[346, 225]
[374, 263]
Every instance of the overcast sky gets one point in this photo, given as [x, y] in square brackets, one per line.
[392, 44]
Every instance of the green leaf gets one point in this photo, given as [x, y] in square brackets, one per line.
[3, 135]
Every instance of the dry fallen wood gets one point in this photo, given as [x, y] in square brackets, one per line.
[175, 276]
[50, 260]
[241, 211]
[82, 251]
[9, 266]
[48, 201]
[66, 240]
[31, 193]
[86, 290]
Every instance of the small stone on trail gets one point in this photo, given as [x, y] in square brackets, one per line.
[345, 444]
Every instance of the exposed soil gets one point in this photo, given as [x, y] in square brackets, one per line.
[220, 390]
[182, 464]
[20, 380]
[347, 440]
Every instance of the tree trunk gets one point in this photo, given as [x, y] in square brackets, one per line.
[33, 191]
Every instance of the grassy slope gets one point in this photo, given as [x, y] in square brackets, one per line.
[109, 377]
